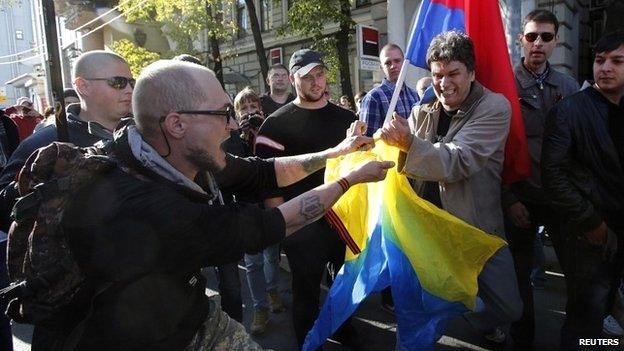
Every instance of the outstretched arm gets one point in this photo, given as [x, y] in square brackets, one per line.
[291, 169]
[312, 205]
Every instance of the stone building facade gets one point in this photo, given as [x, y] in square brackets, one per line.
[582, 23]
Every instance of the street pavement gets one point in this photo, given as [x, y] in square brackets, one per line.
[376, 328]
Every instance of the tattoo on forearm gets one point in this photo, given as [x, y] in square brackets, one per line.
[311, 207]
[313, 163]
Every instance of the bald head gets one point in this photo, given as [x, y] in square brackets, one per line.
[90, 63]
[422, 85]
[166, 86]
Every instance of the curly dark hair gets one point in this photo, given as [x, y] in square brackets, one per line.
[452, 46]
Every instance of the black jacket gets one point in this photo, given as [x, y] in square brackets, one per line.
[150, 237]
[581, 168]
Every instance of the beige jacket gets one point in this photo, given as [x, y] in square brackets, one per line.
[468, 162]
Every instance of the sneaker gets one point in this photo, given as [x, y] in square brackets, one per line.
[496, 335]
[276, 303]
[611, 327]
[259, 322]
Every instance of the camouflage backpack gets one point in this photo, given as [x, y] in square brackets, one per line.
[45, 277]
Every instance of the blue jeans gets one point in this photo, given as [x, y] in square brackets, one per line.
[262, 274]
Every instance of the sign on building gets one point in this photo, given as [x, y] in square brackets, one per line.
[368, 47]
[275, 56]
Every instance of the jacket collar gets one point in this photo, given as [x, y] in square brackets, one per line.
[93, 128]
[121, 150]
[476, 93]
[598, 95]
[525, 78]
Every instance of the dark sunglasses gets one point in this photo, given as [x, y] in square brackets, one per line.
[546, 37]
[228, 113]
[117, 82]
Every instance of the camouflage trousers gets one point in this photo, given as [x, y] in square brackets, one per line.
[219, 332]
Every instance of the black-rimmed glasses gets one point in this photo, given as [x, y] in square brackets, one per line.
[117, 82]
[546, 36]
[229, 113]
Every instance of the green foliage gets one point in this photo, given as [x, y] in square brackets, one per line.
[184, 20]
[309, 18]
[137, 57]
[328, 47]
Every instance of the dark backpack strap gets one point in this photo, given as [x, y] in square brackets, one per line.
[28, 205]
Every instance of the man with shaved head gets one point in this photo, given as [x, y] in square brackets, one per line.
[104, 83]
[148, 226]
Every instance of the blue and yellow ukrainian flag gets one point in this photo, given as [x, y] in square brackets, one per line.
[430, 258]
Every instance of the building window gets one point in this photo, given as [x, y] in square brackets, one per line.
[19, 34]
[359, 3]
[266, 15]
[242, 18]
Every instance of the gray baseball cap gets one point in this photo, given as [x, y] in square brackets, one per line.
[304, 60]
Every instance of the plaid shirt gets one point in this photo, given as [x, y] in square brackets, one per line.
[375, 104]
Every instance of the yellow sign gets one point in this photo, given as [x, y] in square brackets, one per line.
[3, 98]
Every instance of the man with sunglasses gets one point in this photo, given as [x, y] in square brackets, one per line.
[104, 83]
[149, 226]
[526, 207]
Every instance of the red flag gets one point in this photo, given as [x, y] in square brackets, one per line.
[485, 28]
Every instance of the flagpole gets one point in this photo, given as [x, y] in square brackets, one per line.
[397, 90]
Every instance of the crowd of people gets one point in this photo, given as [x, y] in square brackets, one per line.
[204, 180]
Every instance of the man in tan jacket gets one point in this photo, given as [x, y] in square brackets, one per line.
[453, 150]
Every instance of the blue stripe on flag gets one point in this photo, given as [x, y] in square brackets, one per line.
[421, 316]
[357, 279]
[432, 20]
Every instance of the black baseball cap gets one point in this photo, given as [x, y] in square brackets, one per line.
[304, 60]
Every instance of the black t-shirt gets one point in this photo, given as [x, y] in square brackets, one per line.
[431, 192]
[293, 130]
[269, 105]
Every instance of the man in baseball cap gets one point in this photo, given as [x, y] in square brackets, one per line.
[304, 60]
[307, 124]
[24, 101]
